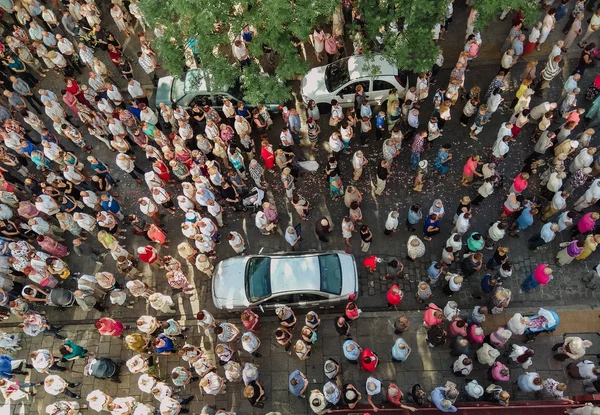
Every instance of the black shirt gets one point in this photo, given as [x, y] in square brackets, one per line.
[461, 206]
[228, 193]
[256, 393]
[419, 400]
[348, 387]
[382, 173]
[322, 230]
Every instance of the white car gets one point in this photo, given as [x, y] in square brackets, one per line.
[339, 79]
[297, 279]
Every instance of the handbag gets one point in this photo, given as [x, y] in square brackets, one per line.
[333, 122]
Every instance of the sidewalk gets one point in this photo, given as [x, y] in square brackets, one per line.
[429, 367]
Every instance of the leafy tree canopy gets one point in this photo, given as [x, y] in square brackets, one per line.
[208, 27]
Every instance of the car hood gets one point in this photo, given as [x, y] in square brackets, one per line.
[313, 83]
[163, 91]
[349, 275]
[228, 284]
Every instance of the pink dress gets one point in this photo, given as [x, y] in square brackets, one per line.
[70, 100]
[53, 248]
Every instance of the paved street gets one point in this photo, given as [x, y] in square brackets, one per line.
[428, 367]
[374, 330]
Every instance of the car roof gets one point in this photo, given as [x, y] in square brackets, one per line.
[358, 66]
[290, 273]
[195, 81]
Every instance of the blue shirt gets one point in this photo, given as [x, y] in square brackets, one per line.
[547, 233]
[135, 111]
[247, 36]
[437, 396]
[525, 219]
[433, 273]
[48, 137]
[294, 122]
[29, 149]
[379, 121]
[400, 354]
[98, 166]
[485, 284]
[168, 347]
[5, 366]
[296, 390]
[110, 205]
[365, 111]
[352, 355]
[4, 114]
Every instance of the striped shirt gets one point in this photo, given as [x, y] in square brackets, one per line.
[551, 70]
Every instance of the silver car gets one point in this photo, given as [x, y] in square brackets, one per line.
[310, 279]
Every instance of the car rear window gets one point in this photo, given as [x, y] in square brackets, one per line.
[331, 274]
[259, 278]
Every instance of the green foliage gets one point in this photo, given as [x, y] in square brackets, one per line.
[270, 89]
[490, 10]
[413, 49]
[276, 21]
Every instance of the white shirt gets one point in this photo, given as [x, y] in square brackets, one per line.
[228, 111]
[335, 145]
[43, 360]
[135, 90]
[462, 224]
[214, 210]
[500, 148]
[114, 95]
[65, 46]
[554, 183]
[286, 139]
[161, 196]
[126, 163]
[149, 116]
[558, 202]
[57, 386]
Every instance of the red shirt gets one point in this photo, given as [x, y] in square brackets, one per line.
[474, 338]
[149, 255]
[520, 184]
[394, 299]
[394, 399]
[370, 366]
[428, 316]
[370, 262]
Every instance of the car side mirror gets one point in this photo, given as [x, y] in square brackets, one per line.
[341, 95]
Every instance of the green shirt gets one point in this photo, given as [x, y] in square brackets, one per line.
[475, 245]
[77, 351]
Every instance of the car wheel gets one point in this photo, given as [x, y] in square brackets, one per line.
[324, 108]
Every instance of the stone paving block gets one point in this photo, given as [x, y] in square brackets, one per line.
[279, 380]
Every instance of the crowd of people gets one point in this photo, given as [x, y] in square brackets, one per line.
[60, 201]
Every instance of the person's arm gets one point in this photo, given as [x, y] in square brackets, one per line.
[370, 400]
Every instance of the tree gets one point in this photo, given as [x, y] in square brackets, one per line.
[208, 28]
[401, 30]
[489, 10]
[405, 26]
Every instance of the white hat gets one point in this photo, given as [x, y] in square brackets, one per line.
[574, 143]
[423, 164]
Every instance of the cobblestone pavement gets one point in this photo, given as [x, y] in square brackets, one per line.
[427, 366]
[374, 330]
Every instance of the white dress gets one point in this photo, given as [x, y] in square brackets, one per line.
[319, 41]
[119, 17]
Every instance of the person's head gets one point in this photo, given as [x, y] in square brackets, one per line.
[446, 404]
[538, 381]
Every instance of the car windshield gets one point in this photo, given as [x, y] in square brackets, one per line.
[258, 283]
[178, 89]
[336, 75]
[331, 274]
